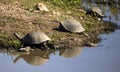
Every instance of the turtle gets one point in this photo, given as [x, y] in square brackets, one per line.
[95, 11]
[72, 25]
[34, 38]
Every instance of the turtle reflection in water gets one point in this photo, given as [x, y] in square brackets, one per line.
[35, 38]
[70, 52]
[36, 58]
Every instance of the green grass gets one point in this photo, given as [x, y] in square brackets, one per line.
[30, 3]
[7, 40]
[66, 3]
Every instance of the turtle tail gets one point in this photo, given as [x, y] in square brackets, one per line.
[17, 36]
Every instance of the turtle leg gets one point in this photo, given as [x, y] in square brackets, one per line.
[45, 46]
[86, 35]
[89, 43]
[51, 46]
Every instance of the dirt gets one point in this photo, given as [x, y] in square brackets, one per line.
[16, 18]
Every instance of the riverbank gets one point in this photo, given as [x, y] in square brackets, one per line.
[20, 18]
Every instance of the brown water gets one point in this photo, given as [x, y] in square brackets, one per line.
[104, 58]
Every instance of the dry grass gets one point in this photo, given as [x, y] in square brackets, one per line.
[15, 18]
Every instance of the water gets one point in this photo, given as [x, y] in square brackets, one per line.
[104, 58]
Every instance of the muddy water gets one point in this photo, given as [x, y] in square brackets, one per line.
[104, 58]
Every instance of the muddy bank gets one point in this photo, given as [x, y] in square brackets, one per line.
[16, 18]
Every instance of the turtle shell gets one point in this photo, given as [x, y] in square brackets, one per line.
[97, 10]
[72, 26]
[35, 37]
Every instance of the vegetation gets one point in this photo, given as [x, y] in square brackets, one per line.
[16, 17]
[66, 3]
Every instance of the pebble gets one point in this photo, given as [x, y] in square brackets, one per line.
[42, 7]
[26, 49]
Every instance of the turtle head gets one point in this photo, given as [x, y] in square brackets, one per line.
[17, 36]
[56, 21]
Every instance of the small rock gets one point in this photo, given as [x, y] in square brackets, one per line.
[42, 7]
[56, 13]
[98, 19]
[26, 49]
[81, 10]
[36, 11]
[91, 44]
[81, 18]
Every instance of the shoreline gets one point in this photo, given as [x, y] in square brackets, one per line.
[16, 18]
